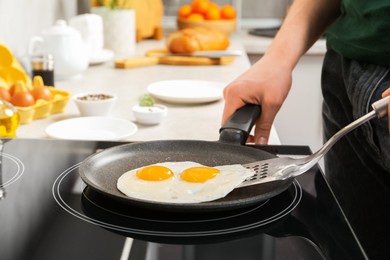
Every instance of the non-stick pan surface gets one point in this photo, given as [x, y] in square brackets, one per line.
[102, 170]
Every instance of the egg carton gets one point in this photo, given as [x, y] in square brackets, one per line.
[43, 108]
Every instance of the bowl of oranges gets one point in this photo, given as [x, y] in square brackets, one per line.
[207, 14]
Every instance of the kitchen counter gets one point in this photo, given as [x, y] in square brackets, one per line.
[257, 45]
[198, 122]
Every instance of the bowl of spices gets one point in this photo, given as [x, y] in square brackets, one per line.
[94, 104]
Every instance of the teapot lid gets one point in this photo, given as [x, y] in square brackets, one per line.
[60, 27]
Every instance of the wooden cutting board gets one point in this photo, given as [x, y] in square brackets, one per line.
[163, 56]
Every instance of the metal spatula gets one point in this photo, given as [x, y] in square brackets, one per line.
[287, 167]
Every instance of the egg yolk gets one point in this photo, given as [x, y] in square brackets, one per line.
[199, 174]
[154, 173]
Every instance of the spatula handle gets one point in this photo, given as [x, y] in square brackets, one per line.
[380, 107]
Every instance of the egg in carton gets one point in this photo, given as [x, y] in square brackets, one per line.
[53, 102]
[14, 78]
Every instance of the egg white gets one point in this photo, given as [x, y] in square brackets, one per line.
[176, 190]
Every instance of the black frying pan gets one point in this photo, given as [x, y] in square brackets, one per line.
[101, 171]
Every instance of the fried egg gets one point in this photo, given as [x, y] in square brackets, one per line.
[182, 182]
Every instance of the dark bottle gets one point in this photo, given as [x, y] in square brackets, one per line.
[43, 65]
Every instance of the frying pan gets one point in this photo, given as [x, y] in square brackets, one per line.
[102, 170]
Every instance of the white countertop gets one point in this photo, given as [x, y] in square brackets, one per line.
[197, 122]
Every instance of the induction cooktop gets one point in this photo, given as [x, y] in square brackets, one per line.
[47, 212]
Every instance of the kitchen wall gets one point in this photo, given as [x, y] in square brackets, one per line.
[264, 8]
[22, 19]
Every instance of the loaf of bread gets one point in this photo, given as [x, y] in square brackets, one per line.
[189, 40]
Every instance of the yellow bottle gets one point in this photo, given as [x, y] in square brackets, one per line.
[9, 119]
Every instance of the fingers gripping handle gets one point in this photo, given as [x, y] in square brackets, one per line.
[237, 128]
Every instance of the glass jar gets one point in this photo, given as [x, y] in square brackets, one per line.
[43, 65]
[9, 119]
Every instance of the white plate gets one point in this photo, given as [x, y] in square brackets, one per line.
[92, 128]
[187, 91]
[101, 57]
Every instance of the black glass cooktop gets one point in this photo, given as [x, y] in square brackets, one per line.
[47, 212]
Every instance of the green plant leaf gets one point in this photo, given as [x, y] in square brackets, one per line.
[146, 101]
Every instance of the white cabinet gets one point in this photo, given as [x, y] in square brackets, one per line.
[299, 121]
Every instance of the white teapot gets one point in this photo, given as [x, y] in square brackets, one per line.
[67, 47]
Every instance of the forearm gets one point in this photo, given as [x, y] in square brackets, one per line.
[268, 81]
[305, 22]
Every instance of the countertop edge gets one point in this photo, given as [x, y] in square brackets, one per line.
[257, 45]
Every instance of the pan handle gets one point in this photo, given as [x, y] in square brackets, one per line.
[238, 127]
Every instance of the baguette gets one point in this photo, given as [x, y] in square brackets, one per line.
[197, 39]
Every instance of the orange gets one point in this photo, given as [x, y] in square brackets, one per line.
[213, 13]
[200, 6]
[195, 17]
[184, 11]
[228, 12]
[213, 5]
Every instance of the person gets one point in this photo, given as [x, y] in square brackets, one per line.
[355, 74]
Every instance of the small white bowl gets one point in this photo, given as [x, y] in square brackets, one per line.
[150, 115]
[95, 104]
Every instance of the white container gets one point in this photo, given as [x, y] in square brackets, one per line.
[89, 104]
[67, 47]
[91, 28]
[150, 115]
[119, 30]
